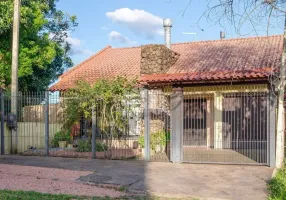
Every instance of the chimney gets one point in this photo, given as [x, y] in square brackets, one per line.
[222, 35]
[167, 23]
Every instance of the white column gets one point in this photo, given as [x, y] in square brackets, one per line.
[280, 131]
[208, 118]
[218, 120]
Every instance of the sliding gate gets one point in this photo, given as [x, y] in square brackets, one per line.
[226, 128]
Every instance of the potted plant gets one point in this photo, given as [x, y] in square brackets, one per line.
[62, 144]
[159, 141]
[69, 138]
[61, 139]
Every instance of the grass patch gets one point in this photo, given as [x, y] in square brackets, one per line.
[30, 195]
[122, 188]
[23, 195]
[277, 186]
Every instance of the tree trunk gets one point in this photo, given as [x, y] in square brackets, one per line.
[280, 112]
[15, 62]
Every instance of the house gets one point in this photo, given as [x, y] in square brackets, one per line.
[216, 97]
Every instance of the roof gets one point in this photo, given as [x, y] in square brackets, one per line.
[201, 61]
[208, 77]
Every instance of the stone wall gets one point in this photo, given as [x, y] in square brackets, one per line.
[159, 111]
[157, 59]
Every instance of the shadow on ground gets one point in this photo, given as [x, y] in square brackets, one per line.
[163, 179]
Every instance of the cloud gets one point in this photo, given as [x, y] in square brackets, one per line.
[138, 21]
[73, 41]
[78, 46]
[114, 36]
[104, 28]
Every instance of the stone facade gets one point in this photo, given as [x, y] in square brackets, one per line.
[157, 59]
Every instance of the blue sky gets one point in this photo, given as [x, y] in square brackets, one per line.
[123, 23]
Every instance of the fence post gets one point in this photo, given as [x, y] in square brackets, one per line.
[271, 120]
[2, 111]
[177, 99]
[146, 126]
[93, 142]
[47, 123]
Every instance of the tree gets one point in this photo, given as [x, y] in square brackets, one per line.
[44, 52]
[245, 16]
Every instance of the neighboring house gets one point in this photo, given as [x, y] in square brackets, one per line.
[217, 94]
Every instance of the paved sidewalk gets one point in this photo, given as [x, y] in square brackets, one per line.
[164, 179]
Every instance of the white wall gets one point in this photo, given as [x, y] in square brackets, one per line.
[29, 134]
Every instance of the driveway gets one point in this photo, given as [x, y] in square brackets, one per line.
[164, 179]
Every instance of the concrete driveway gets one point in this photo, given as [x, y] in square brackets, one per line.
[164, 179]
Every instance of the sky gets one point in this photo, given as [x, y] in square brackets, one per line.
[125, 23]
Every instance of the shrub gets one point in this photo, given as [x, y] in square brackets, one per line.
[277, 186]
[101, 146]
[158, 138]
[141, 141]
[85, 146]
[61, 136]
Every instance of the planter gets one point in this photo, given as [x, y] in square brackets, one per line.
[70, 146]
[62, 144]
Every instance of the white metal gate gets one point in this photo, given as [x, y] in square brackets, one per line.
[230, 128]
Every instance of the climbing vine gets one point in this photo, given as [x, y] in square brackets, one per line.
[111, 100]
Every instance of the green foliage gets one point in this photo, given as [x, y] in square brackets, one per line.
[85, 146]
[277, 186]
[44, 52]
[101, 147]
[158, 138]
[61, 136]
[141, 141]
[123, 188]
[30, 195]
[111, 100]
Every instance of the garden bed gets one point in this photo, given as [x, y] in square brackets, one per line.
[121, 154]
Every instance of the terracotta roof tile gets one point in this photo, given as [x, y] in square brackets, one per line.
[202, 77]
[218, 60]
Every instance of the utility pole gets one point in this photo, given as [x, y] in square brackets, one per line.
[15, 63]
[280, 112]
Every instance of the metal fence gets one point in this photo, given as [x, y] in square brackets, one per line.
[218, 127]
[226, 128]
[45, 126]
